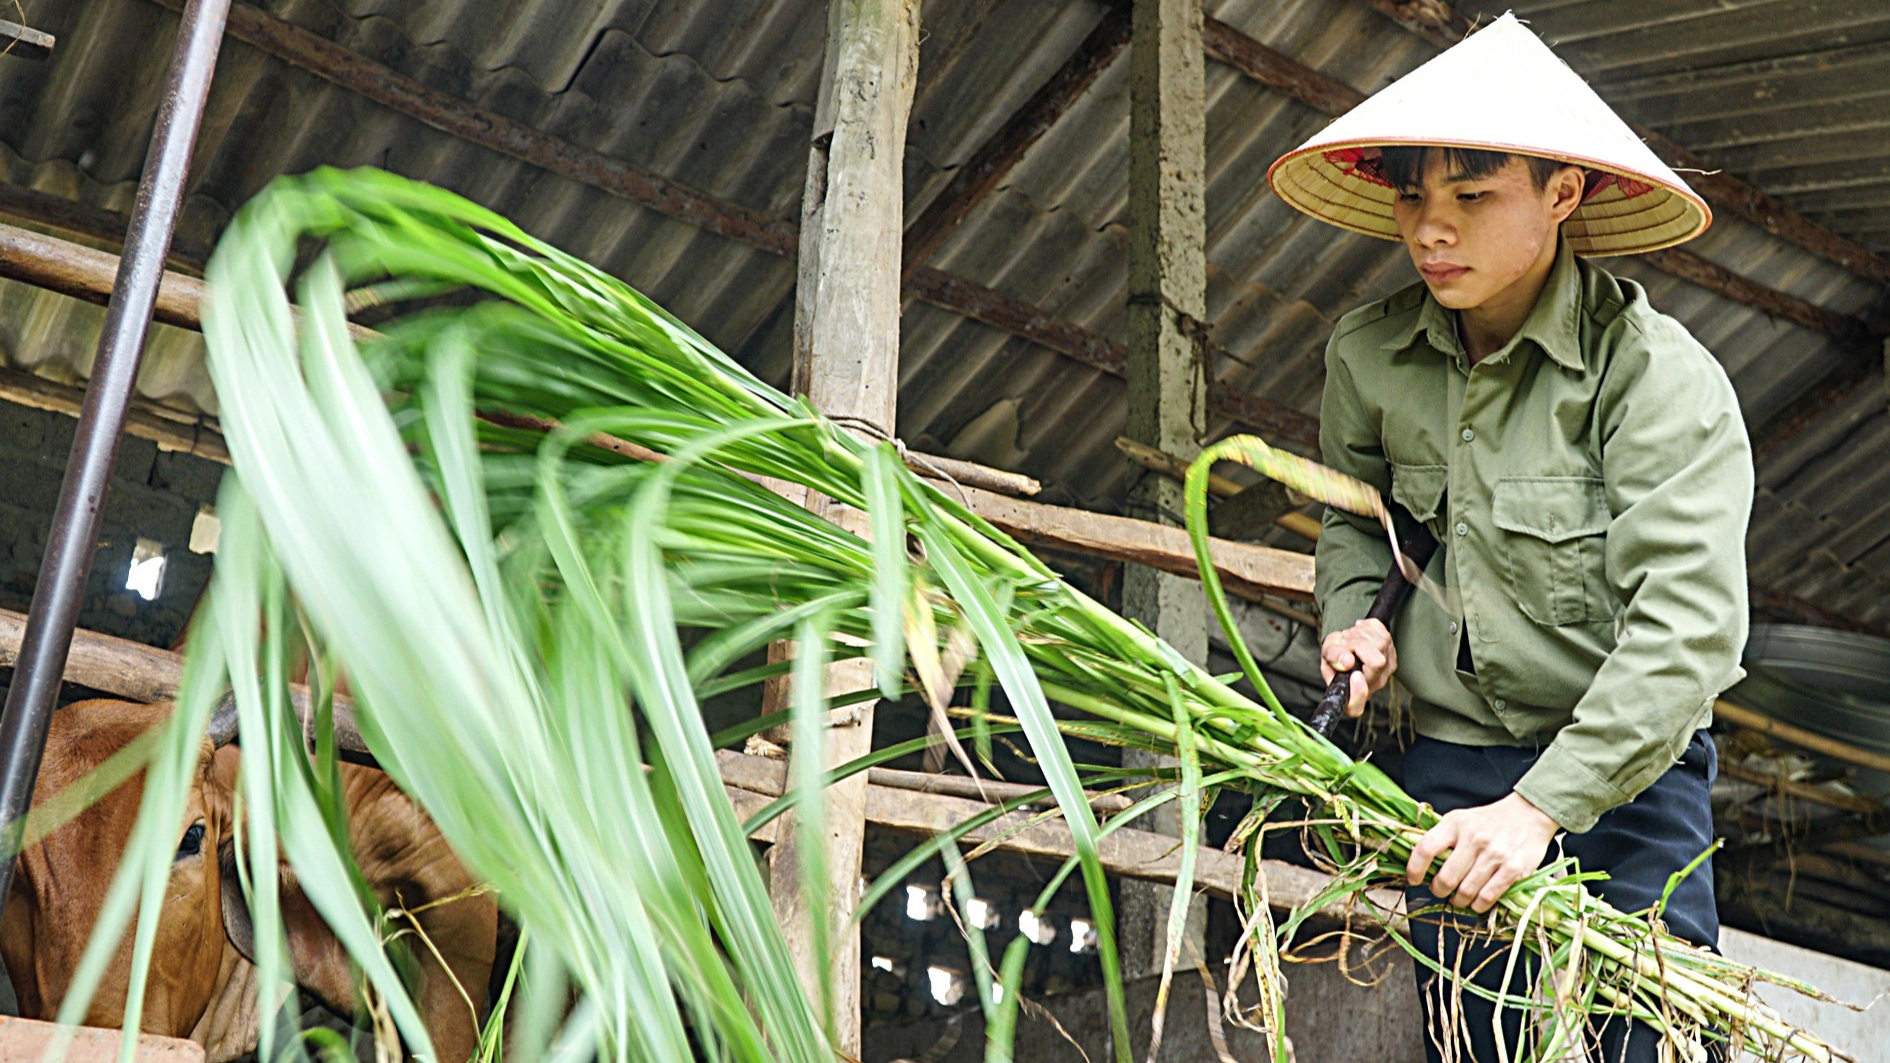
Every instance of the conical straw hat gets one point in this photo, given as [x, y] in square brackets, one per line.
[1501, 89]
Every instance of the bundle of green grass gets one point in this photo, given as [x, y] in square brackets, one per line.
[496, 595]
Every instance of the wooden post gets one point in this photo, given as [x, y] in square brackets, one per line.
[1167, 366]
[846, 360]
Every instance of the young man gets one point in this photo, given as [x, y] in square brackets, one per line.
[1582, 461]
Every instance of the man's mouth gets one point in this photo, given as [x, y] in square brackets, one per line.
[1442, 272]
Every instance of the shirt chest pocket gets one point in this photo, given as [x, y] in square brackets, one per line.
[1420, 490]
[1554, 537]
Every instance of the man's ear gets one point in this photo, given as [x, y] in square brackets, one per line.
[1565, 190]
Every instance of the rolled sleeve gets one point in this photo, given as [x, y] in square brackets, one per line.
[1352, 557]
[1678, 472]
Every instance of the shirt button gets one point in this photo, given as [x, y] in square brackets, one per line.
[1462, 528]
[1453, 627]
[1500, 704]
[1469, 434]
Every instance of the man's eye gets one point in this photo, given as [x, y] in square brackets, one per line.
[1469, 197]
[1410, 197]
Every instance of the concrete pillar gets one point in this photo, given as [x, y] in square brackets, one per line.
[1167, 373]
[846, 360]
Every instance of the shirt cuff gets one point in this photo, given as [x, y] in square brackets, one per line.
[1570, 792]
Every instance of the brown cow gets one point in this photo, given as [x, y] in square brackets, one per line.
[202, 985]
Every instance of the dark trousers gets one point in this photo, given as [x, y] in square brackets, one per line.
[1638, 844]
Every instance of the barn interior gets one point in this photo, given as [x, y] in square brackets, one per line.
[668, 143]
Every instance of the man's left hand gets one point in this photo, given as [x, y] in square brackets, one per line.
[1491, 847]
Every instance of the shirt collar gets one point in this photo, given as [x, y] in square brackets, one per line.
[1554, 325]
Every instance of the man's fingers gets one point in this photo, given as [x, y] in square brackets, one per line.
[1424, 853]
[1360, 694]
[1463, 859]
[1493, 890]
[1473, 882]
[1340, 658]
[1365, 646]
[1371, 659]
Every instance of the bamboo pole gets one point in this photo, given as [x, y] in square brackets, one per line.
[1156, 460]
[1804, 791]
[1126, 852]
[1752, 721]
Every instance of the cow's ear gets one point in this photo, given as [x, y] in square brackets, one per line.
[236, 924]
[318, 961]
[219, 789]
[219, 800]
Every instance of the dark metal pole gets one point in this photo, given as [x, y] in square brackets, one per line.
[74, 534]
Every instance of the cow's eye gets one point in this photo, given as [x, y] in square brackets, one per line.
[192, 843]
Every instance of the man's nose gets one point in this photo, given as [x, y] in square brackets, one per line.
[1434, 231]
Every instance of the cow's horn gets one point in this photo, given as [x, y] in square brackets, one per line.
[222, 729]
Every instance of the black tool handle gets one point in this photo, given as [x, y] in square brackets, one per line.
[1418, 545]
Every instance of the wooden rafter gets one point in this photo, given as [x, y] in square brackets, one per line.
[25, 42]
[93, 223]
[1777, 601]
[1276, 421]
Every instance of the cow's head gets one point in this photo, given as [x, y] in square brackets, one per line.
[60, 884]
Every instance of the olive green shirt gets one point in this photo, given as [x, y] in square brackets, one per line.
[1590, 484]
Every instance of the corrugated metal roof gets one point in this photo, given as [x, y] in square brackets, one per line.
[719, 94]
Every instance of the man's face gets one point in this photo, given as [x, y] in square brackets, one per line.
[1473, 238]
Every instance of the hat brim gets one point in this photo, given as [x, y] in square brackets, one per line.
[1611, 222]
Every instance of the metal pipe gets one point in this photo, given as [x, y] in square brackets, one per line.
[73, 537]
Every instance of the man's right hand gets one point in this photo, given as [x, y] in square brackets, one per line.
[1366, 646]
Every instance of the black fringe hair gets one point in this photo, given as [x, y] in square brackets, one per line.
[1404, 165]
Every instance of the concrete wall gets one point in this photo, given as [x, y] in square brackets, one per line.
[1331, 1020]
[154, 495]
[1865, 1034]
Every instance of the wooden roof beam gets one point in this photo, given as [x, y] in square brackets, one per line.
[94, 223]
[454, 116]
[1777, 601]
[25, 42]
[1276, 421]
